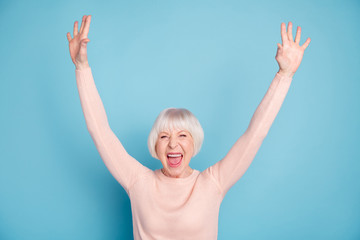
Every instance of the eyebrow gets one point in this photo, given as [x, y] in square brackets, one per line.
[163, 132]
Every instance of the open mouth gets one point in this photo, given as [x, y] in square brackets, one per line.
[174, 159]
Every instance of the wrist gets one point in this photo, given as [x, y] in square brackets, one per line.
[82, 66]
[286, 74]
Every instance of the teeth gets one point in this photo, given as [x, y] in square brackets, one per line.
[174, 155]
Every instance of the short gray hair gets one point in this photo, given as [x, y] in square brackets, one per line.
[176, 118]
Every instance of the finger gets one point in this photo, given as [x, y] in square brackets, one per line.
[75, 28]
[298, 35]
[82, 24]
[279, 46]
[284, 37]
[87, 25]
[290, 36]
[306, 44]
[68, 36]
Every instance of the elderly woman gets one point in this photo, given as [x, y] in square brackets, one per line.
[178, 202]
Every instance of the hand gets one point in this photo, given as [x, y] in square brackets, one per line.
[77, 45]
[290, 53]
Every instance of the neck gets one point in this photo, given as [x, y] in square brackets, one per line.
[187, 173]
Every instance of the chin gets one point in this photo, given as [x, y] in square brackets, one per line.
[177, 171]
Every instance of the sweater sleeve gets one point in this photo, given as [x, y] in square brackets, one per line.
[229, 170]
[121, 165]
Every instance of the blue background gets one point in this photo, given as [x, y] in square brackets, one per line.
[215, 58]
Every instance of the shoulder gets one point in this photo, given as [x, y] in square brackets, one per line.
[209, 176]
[144, 174]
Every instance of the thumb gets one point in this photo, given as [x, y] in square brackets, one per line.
[84, 42]
[279, 45]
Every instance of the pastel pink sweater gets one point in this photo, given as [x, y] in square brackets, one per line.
[177, 208]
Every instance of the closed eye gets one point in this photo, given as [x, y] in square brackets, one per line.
[163, 136]
[183, 135]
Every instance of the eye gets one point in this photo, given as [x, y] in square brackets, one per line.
[182, 135]
[163, 136]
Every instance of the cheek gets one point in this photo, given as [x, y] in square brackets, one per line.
[190, 146]
[159, 148]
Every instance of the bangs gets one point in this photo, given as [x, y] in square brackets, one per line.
[174, 119]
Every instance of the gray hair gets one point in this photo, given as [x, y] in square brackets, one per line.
[176, 118]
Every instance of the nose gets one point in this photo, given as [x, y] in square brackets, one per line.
[173, 142]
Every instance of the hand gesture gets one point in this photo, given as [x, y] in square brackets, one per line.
[77, 45]
[290, 53]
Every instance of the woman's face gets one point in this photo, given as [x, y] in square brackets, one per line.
[174, 149]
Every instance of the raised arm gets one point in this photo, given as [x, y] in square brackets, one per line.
[289, 55]
[122, 166]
